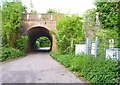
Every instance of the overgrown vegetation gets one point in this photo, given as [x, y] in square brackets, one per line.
[10, 53]
[109, 14]
[89, 22]
[108, 21]
[21, 42]
[11, 21]
[43, 42]
[12, 43]
[107, 28]
[69, 33]
[97, 70]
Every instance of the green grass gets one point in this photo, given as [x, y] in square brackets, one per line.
[96, 70]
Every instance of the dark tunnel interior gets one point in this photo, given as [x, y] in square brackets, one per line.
[35, 33]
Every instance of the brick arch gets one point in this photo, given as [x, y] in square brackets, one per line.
[35, 32]
[48, 21]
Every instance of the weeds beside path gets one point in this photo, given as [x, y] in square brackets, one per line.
[96, 70]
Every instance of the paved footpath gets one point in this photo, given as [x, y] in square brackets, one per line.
[36, 68]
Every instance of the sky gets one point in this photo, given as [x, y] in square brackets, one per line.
[63, 6]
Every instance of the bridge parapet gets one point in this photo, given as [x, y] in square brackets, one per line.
[44, 20]
[40, 17]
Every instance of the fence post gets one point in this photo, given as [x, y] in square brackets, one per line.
[88, 45]
[87, 40]
[96, 46]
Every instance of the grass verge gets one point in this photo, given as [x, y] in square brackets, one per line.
[96, 70]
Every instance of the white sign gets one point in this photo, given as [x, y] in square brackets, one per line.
[80, 48]
[113, 53]
[111, 43]
[93, 49]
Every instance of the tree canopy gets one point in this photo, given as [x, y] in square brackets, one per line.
[109, 11]
[11, 20]
[52, 11]
[69, 33]
[89, 21]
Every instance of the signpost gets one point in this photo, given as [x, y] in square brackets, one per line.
[96, 46]
[88, 46]
[93, 49]
[113, 53]
[111, 43]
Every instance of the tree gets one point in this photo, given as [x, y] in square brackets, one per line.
[109, 17]
[52, 11]
[109, 20]
[43, 42]
[89, 19]
[69, 33]
[11, 21]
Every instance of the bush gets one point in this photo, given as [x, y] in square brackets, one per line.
[69, 33]
[10, 53]
[21, 42]
[96, 70]
[104, 40]
[43, 42]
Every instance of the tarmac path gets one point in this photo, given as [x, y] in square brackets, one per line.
[36, 68]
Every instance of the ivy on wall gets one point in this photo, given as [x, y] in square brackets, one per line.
[11, 21]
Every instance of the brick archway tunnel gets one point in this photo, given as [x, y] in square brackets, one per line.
[35, 33]
[38, 25]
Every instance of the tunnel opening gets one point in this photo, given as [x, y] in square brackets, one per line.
[40, 39]
[43, 43]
